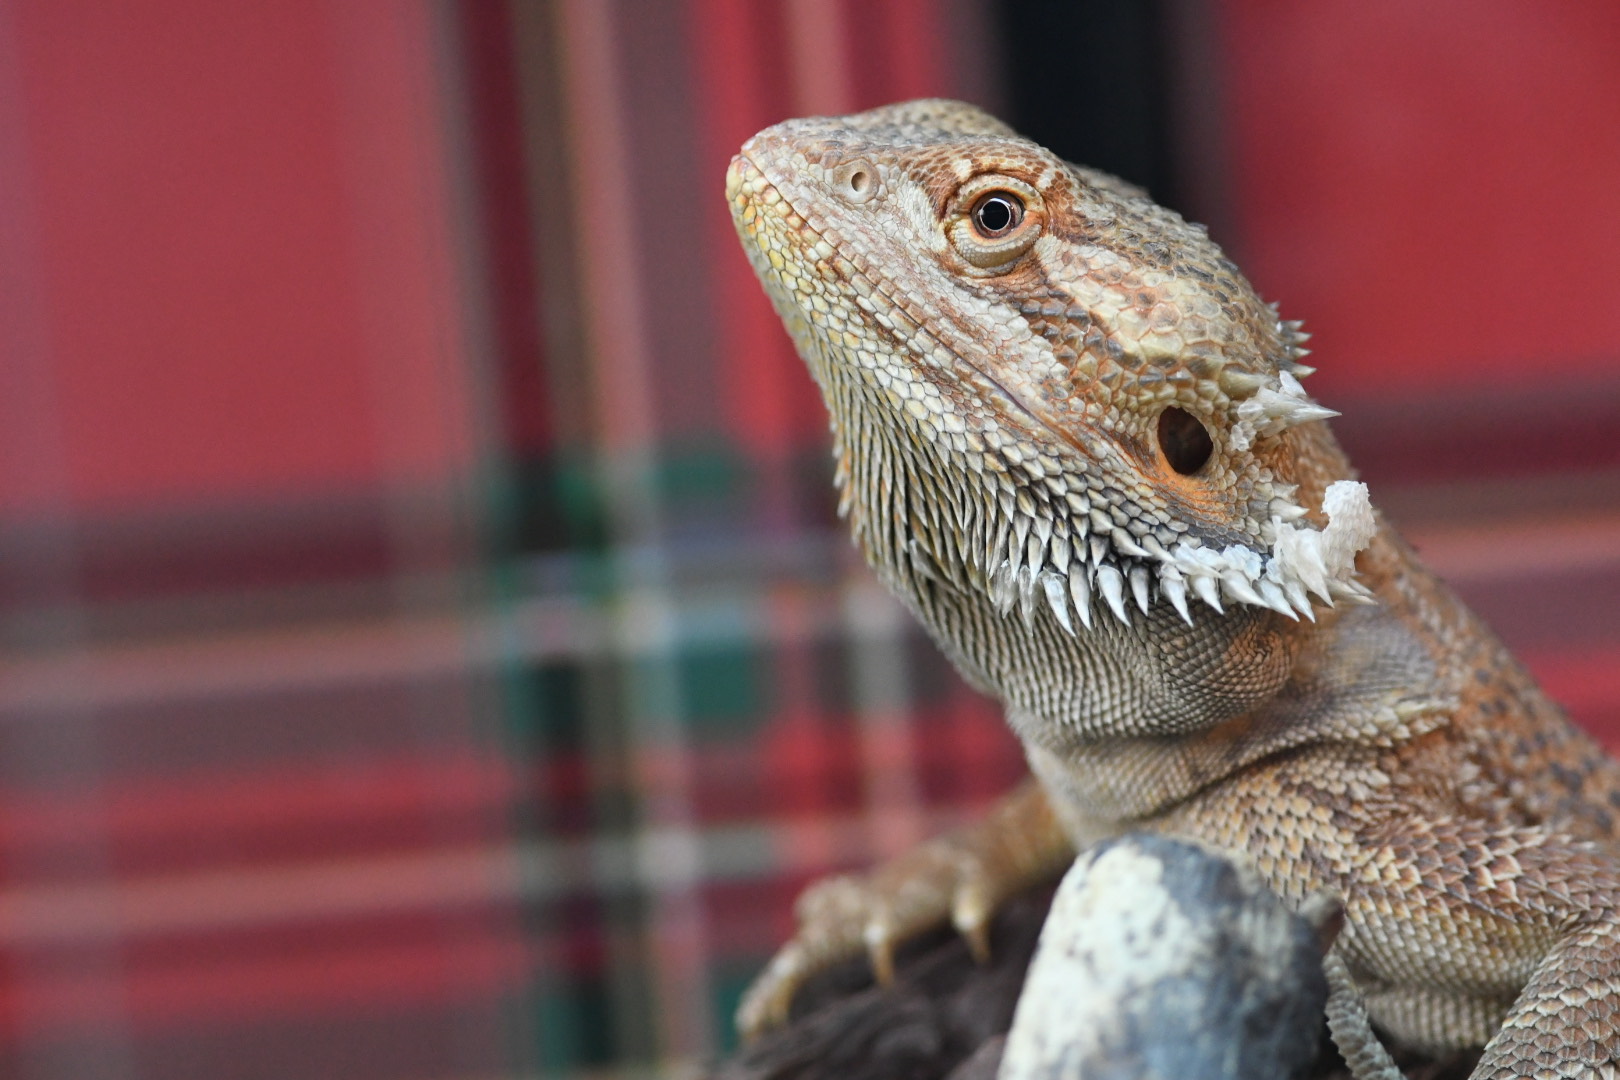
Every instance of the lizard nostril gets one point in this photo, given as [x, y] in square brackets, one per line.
[1184, 441]
[856, 180]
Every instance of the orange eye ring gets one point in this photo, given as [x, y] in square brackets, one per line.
[994, 221]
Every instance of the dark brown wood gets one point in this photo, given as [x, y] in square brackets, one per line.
[941, 1009]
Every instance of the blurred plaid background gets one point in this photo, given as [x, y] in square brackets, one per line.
[429, 650]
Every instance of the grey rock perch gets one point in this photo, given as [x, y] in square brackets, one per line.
[945, 1017]
[1163, 961]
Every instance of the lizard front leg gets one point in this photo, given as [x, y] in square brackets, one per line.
[963, 877]
[1530, 919]
[1566, 1023]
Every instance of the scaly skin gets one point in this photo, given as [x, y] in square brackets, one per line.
[1071, 438]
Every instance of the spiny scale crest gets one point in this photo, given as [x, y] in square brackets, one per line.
[999, 405]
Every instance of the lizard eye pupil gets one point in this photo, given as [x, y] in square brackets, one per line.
[1185, 442]
[997, 213]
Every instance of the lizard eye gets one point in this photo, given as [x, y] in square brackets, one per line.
[996, 220]
[1185, 442]
[997, 213]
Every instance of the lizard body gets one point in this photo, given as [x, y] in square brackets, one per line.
[1072, 439]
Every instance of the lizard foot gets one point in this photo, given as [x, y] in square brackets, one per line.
[961, 877]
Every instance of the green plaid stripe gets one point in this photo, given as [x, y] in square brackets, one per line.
[710, 723]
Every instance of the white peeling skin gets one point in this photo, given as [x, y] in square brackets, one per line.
[1271, 411]
[1319, 559]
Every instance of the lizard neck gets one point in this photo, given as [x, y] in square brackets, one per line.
[931, 526]
[1124, 718]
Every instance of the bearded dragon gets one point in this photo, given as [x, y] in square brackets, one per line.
[1074, 442]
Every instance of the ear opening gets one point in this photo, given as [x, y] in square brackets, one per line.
[1184, 441]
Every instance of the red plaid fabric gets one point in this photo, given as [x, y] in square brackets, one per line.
[428, 647]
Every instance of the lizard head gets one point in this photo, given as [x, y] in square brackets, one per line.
[1043, 385]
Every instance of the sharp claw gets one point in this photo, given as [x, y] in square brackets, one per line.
[765, 1006]
[880, 950]
[970, 915]
[977, 936]
[748, 1023]
[961, 878]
